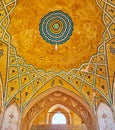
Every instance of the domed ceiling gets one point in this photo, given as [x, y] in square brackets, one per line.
[46, 45]
[77, 49]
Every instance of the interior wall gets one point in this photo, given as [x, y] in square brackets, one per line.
[105, 117]
[11, 118]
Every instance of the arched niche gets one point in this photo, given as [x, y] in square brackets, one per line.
[105, 117]
[59, 108]
[61, 96]
[11, 118]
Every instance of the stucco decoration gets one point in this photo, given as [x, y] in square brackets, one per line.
[105, 117]
[11, 119]
[58, 97]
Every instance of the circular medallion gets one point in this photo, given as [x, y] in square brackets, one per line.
[56, 27]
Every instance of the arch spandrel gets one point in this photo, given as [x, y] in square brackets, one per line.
[52, 90]
[58, 82]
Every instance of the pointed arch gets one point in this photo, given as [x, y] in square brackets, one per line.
[58, 95]
[57, 89]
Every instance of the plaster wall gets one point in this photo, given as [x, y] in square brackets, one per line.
[11, 120]
[105, 117]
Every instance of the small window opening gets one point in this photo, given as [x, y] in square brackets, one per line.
[59, 118]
